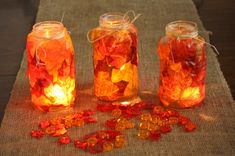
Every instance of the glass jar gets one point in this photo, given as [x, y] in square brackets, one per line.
[51, 68]
[115, 58]
[182, 65]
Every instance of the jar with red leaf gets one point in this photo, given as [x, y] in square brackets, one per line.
[115, 58]
[182, 65]
[51, 68]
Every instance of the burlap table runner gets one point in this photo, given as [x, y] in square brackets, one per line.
[216, 120]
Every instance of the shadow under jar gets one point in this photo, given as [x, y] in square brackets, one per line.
[51, 68]
[115, 58]
[182, 66]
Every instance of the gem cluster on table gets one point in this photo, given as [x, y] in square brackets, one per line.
[154, 121]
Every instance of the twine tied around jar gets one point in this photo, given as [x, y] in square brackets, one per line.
[207, 43]
[211, 45]
[111, 31]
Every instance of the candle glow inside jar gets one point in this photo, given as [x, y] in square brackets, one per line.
[51, 69]
[182, 66]
[115, 58]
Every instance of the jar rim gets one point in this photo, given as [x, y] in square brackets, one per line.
[48, 29]
[182, 29]
[115, 20]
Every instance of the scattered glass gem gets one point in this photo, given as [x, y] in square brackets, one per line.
[90, 120]
[165, 129]
[111, 123]
[122, 120]
[64, 140]
[37, 134]
[155, 135]
[112, 134]
[120, 138]
[80, 144]
[129, 125]
[60, 131]
[120, 127]
[92, 141]
[88, 112]
[152, 127]
[68, 123]
[105, 107]
[146, 117]
[152, 123]
[172, 113]
[56, 121]
[44, 124]
[50, 130]
[143, 134]
[78, 122]
[144, 125]
[183, 120]
[120, 141]
[173, 120]
[102, 135]
[155, 119]
[158, 109]
[189, 127]
[116, 112]
[107, 146]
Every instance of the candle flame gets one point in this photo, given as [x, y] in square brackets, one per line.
[60, 94]
[191, 92]
[47, 33]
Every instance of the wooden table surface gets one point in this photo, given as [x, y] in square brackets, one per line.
[18, 16]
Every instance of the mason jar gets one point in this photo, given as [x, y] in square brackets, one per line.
[51, 68]
[115, 58]
[182, 65]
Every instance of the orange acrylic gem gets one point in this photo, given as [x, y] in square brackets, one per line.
[116, 112]
[60, 132]
[68, 123]
[155, 119]
[78, 122]
[92, 141]
[120, 141]
[56, 121]
[152, 127]
[50, 130]
[158, 109]
[129, 125]
[143, 134]
[120, 127]
[146, 117]
[144, 125]
[173, 120]
[107, 146]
